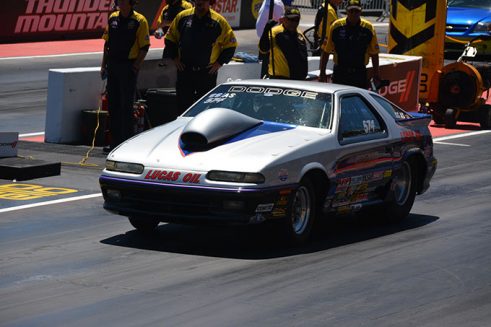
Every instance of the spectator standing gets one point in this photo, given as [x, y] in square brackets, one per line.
[263, 15]
[321, 28]
[169, 12]
[200, 41]
[126, 45]
[286, 46]
[262, 19]
[353, 41]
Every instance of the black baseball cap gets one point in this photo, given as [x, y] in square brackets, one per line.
[354, 4]
[292, 12]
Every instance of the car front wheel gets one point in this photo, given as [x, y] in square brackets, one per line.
[298, 224]
[144, 225]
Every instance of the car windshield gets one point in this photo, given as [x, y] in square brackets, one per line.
[470, 3]
[275, 104]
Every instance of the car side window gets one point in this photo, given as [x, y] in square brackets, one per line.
[358, 122]
[391, 108]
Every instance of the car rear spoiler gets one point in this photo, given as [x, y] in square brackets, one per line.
[417, 119]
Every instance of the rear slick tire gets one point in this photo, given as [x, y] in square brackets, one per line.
[403, 194]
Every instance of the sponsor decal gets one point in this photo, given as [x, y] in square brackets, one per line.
[63, 16]
[173, 176]
[9, 144]
[411, 136]
[264, 207]
[283, 174]
[274, 91]
[219, 97]
[279, 212]
[230, 10]
[343, 209]
[283, 201]
[401, 87]
[23, 192]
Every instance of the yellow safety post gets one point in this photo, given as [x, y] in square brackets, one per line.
[417, 27]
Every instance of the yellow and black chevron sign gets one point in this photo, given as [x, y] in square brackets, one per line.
[417, 27]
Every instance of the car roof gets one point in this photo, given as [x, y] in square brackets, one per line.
[304, 85]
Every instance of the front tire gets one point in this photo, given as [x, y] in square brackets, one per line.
[144, 225]
[298, 225]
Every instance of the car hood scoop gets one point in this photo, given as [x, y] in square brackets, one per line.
[213, 127]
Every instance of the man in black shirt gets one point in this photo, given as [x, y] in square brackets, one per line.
[199, 41]
[127, 43]
[353, 41]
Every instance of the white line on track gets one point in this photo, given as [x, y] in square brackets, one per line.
[40, 204]
[457, 136]
[31, 134]
[448, 143]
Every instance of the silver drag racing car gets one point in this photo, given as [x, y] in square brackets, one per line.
[258, 150]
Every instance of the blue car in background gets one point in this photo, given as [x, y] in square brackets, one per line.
[467, 19]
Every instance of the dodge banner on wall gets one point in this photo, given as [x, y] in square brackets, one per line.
[417, 27]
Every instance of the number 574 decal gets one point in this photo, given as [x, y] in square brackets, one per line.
[369, 126]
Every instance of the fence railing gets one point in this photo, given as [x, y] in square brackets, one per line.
[372, 7]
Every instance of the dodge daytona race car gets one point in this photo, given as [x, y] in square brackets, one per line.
[258, 150]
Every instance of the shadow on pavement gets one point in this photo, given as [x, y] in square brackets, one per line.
[259, 242]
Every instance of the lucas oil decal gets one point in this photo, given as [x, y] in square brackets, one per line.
[173, 176]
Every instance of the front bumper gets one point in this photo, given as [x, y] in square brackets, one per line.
[194, 204]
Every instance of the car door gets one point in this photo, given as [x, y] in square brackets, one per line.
[363, 164]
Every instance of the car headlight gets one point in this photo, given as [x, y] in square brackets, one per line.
[124, 167]
[235, 177]
[483, 28]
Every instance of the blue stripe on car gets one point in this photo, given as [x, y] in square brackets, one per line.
[266, 127]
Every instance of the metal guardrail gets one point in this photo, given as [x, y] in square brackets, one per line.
[371, 7]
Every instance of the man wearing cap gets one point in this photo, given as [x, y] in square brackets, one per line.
[286, 46]
[352, 40]
[126, 44]
[200, 41]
